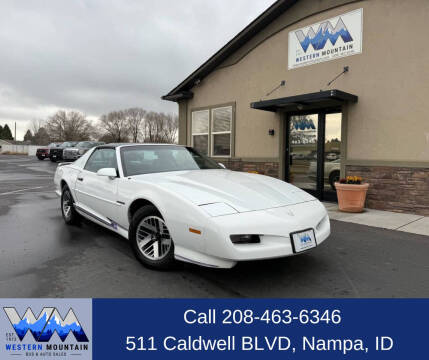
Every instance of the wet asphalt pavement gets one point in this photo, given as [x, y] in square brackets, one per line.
[42, 257]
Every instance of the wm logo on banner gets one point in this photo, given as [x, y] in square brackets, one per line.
[43, 327]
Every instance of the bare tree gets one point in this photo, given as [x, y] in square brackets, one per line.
[135, 118]
[136, 124]
[41, 137]
[160, 128]
[115, 126]
[36, 124]
[171, 128]
[69, 126]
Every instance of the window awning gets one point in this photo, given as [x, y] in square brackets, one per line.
[317, 100]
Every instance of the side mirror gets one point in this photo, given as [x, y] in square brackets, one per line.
[222, 165]
[110, 172]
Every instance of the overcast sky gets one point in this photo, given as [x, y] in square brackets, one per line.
[101, 55]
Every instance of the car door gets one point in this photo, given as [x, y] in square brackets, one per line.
[98, 194]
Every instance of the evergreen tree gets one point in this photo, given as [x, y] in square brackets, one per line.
[6, 133]
[28, 136]
[1, 132]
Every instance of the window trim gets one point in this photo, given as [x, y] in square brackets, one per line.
[210, 109]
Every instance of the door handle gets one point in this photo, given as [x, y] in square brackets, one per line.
[80, 178]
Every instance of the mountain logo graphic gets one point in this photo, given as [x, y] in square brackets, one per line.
[43, 327]
[305, 239]
[324, 33]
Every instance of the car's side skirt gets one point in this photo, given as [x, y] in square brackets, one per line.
[108, 223]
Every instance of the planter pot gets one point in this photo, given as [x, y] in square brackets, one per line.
[351, 197]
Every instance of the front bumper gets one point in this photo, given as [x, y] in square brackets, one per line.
[274, 227]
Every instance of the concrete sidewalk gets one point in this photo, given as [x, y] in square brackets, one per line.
[410, 223]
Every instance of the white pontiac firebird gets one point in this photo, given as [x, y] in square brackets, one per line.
[173, 203]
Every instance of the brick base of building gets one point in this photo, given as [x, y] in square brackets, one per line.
[264, 168]
[396, 189]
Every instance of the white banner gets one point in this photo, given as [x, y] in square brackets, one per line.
[327, 40]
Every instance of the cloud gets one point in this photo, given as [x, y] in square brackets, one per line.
[99, 55]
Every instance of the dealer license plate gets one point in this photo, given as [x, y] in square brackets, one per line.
[303, 240]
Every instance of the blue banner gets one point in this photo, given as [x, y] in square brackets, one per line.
[213, 328]
[278, 329]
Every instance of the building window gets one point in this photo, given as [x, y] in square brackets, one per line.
[221, 131]
[200, 131]
[212, 131]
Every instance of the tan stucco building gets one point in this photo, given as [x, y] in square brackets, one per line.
[314, 90]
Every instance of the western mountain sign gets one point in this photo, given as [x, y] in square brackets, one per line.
[327, 40]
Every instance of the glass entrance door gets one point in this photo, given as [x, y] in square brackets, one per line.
[313, 158]
[303, 138]
[332, 149]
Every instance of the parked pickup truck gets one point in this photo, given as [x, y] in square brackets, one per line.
[56, 154]
[43, 152]
[74, 153]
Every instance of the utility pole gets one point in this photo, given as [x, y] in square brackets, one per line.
[15, 130]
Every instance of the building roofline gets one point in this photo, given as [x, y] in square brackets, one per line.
[181, 91]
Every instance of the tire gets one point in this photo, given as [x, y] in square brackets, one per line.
[334, 177]
[53, 160]
[70, 215]
[154, 249]
[41, 158]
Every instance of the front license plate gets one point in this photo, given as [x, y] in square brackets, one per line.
[303, 240]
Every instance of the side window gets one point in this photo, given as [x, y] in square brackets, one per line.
[221, 131]
[101, 158]
[200, 131]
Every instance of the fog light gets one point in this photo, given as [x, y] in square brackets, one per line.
[245, 239]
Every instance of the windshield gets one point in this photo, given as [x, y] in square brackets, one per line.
[147, 159]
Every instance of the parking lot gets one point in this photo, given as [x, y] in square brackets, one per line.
[42, 257]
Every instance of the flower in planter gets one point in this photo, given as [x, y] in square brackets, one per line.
[357, 180]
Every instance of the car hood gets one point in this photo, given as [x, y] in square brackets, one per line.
[243, 191]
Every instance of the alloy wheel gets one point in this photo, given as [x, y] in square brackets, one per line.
[67, 204]
[153, 238]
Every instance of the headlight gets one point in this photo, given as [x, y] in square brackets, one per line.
[81, 152]
[245, 239]
[218, 209]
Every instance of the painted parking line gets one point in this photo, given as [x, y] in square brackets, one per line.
[21, 190]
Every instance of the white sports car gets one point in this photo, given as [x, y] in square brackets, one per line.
[173, 203]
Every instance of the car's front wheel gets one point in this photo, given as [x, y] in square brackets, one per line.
[150, 239]
[41, 158]
[70, 215]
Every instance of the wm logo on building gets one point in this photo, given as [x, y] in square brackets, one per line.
[324, 33]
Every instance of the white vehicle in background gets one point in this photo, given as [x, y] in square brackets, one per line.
[173, 203]
[331, 172]
[332, 156]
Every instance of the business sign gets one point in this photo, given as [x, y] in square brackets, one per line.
[327, 40]
[46, 329]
